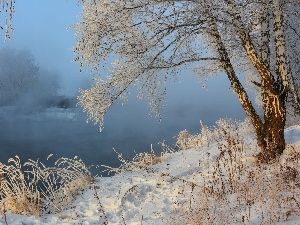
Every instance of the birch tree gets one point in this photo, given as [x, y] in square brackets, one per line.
[153, 41]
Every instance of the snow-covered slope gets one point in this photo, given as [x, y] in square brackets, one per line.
[165, 193]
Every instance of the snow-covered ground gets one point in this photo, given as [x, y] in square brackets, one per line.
[160, 194]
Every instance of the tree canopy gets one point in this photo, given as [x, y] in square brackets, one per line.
[153, 41]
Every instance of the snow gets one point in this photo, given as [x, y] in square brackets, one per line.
[147, 196]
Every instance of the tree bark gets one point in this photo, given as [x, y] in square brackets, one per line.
[270, 132]
[265, 35]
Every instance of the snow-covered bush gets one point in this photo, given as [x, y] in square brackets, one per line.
[35, 189]
[186, 140]
[208, 135]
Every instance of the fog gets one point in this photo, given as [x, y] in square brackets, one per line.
[41, 28]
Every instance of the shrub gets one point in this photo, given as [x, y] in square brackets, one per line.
[37, 189]
[208, 135]
[140, 161]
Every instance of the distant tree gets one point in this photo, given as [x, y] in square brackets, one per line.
[152, 41]
[23, 82]
[18, 73]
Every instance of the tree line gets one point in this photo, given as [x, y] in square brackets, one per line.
[25, 84]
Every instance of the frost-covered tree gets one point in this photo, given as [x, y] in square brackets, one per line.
[153, 41]
[23, 82]
[18, 74]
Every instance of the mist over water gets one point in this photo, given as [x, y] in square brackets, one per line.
[128, 128]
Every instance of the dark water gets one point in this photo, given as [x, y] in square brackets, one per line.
[37, 139]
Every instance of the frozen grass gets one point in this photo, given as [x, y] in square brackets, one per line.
[210, 135]
[36, 189]
[235, 190]
[140, 161]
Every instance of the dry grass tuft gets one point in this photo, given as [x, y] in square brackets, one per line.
[140, 161]
[35, 189]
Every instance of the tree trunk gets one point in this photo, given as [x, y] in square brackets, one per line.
[274, 95]
[271, 138]
[270, 132]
